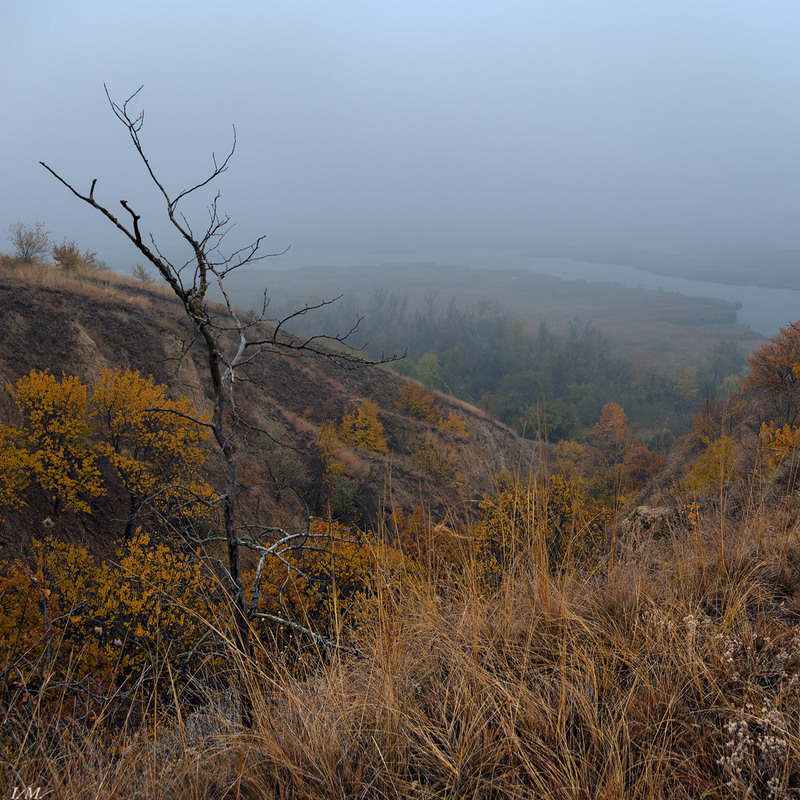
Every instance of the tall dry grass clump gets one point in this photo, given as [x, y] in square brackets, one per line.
[671, 670]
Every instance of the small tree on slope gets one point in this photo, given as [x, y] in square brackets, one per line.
[230, 343]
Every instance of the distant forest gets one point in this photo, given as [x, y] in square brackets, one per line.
[543, 383]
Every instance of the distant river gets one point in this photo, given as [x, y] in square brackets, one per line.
[764, 310]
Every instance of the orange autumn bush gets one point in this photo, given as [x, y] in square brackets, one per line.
[154, 445]
[94, 626]
[53, 441]
[331, 576]
[418, 402]
[363, 429]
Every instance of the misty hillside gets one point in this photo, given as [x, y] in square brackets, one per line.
[449, 609]
[86, 324]
[529, 347]
[552, 553]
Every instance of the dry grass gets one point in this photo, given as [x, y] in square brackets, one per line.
[91, 283]
[674, 673]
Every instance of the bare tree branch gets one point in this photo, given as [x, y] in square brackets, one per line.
[230, 343]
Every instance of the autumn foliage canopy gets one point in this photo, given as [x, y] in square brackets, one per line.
[774, 375]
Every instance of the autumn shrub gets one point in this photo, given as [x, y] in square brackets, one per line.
[16, 466]
[344, 469]
[580, 462]
[435, 461]
[329, 580]
[68, 257]
[713, 469]
[90, 627]
[142, 274]
[334, 472]
[454, 424]
[780, 446]
[54, 438]
[418, 402]
[408, 531]
[775, 375]
[640, 464]
[363, 428]
[546, 523]
[610, 433]
[30, 243]
[549, 520]
[611, 465]
[154, 445]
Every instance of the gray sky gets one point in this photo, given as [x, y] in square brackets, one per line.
[369, 126]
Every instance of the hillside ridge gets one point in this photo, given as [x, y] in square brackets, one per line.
[81, 327]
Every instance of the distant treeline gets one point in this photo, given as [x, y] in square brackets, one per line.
[538, 381]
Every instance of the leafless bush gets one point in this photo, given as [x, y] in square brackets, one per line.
[30, 243]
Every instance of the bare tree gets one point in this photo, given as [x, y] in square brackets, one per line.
[30, 243]
[230, 343]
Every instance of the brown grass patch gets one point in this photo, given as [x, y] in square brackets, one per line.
[658, 677]
[91, 283]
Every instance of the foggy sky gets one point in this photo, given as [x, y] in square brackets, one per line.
[393, 127]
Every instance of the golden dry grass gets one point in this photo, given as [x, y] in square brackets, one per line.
[90, 283]
[672, 671]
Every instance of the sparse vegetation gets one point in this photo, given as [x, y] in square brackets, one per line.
[68, 256]
[30, 243]
[142, 274]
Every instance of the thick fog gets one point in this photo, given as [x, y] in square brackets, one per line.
[368, 128]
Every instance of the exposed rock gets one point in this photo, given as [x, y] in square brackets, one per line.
[654, 522]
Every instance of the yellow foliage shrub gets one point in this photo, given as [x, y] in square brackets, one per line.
[363, 428]
[330, 445]
[333, 577]
[548, 520]
[714, 468]
[55, 435]
[418, 402]
[781, 442]
[154, 443]
[16, 467]
[454, 424]
[435, 462]
[72, 616]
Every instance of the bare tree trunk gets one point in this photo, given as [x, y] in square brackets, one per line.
[227, 349]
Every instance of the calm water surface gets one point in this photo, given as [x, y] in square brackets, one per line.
[765, 310]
